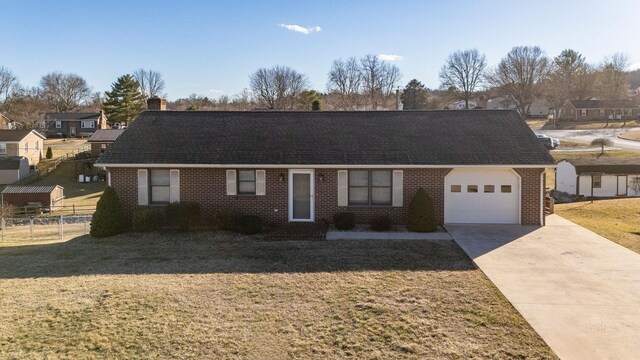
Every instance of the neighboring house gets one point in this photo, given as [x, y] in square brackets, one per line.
[580, 110]
[74, 124]
[101, 139]
[460, 105]
[49, 197]
[13, 169]
[599, 177]
[539, 108]
[8, 124]
[27, 143]
[478, 166]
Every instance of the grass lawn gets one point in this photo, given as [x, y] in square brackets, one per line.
[631, 135]
[83, 195]
[618, 220]
[217, 295]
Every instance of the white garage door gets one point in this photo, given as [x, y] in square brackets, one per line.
[482, 196]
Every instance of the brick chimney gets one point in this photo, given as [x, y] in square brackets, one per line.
[156, 104]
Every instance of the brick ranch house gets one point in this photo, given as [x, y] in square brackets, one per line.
[482, 166]
[584, 110]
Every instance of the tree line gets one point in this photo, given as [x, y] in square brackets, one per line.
[524, 75]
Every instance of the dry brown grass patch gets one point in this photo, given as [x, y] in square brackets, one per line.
[230, 297]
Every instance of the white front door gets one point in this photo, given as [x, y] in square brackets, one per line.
[301, 195]
[622, 185]
[482, 196]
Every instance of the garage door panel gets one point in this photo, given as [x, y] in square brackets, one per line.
[495, 207]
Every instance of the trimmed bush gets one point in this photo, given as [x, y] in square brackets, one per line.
[381, 223]
[224, 219]
[422, 213]
[108, 220]
[145, 220]
[49, 153]
[184, 215]
[249, 224]
[344, 220]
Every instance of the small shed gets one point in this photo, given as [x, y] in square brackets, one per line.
[13, 169]
[46, 197]
[102, 138]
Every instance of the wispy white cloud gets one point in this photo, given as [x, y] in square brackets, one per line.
[390, 57]
[301, 29]
[215, 91]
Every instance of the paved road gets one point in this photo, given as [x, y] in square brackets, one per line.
[578, 290]
[586, 136]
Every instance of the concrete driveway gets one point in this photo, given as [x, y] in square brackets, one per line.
[578, 290]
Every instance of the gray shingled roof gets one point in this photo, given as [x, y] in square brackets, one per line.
[73, 116]
[473, 137]
[105, 135]
[604, 104]
[16, 135]
[10, 162]
[619, 166]
[33, 189]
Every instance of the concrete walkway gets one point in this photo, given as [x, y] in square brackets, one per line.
[578, 290]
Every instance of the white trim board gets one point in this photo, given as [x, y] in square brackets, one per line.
[316, 166]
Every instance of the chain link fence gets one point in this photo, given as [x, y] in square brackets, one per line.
[42, 228]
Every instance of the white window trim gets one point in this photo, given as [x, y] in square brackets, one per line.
[58, 124]
[84, 122]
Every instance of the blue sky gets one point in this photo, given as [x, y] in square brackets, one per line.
[211, 47]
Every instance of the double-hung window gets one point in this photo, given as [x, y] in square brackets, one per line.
[36, 146]
[26, 146]
[596, 181]
[160, 188]
[3, 148]
[370, 187]
[87, 124]
[246, 182]
[58, 124]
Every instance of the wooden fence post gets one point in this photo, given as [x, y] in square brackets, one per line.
[31, 228]
[61, 228]
[3, 225]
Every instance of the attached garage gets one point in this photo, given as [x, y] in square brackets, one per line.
[482, 196]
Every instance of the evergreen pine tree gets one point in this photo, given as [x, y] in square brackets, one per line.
[108, 219]
[49, 153]
[414, 96]
[422, 213]
[125, 101]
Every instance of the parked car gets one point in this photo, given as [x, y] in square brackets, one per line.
[548, 142]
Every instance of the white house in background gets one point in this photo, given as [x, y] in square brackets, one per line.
[460, 105]
[539, 108]
[602, 177]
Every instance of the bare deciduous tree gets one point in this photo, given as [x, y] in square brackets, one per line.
[279, 87]
[27, 108]
[151, 82]
[521, 75]
[9, 86]
[613, 80]
[379, 79]
[345, 80]
[463, 72]
[602, 142]
[64, 92]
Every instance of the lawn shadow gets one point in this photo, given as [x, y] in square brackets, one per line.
[203, 253]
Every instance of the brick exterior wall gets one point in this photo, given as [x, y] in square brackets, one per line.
[530, 195]
[571, 114]
[96, 148]
[208, 188]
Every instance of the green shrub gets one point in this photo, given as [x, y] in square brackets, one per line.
[381, 223]
[184, 215]
[49, 153]
[145, 220]
[344, 220]
[108, 219]
[422, 213]
[224, 219]
[249, 224]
